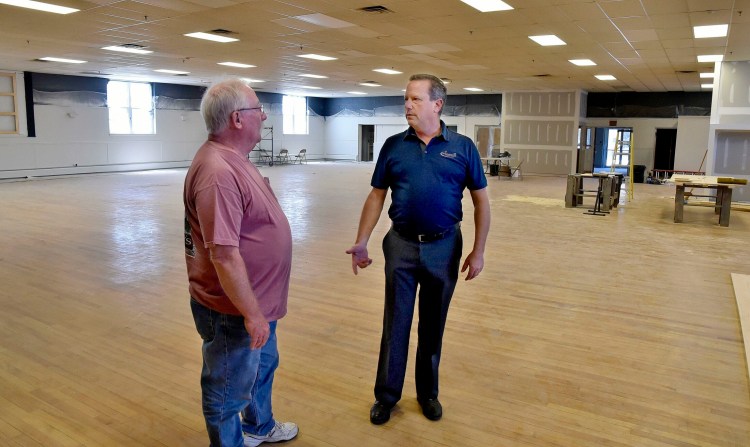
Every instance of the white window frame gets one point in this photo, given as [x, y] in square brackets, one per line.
[131, 115]
[295, 118]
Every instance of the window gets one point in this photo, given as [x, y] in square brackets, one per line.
[131, 108]
[294, 109]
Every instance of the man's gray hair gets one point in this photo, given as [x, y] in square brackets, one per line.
[437, 88]
[220, 100]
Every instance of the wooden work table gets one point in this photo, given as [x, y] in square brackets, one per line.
[722, 197]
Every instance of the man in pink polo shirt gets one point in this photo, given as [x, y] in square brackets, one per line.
[238, 249]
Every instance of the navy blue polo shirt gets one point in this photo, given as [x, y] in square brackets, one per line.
[427, 182]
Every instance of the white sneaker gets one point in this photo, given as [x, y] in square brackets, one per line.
[282, 431]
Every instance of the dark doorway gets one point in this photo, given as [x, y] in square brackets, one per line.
[666, 141]
[366, 142]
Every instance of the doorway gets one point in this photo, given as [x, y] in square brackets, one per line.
[666, 142]
[612, 149]
[585, 149]
[487, 139]
[366, 142]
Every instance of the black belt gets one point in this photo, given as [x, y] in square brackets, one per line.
[428, 237]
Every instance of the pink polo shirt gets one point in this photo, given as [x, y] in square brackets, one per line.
[228, 202]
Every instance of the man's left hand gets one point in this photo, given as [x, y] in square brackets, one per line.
[474, 263]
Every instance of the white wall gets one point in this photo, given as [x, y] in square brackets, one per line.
[342, 133]
[692, 142]
[74, 140]
[729, 131]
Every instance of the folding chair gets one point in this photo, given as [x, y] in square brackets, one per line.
[283, 157]
[264, 156]
[301, 157]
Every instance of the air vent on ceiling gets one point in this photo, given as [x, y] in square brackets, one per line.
[686, 71]
[542, 75]
[375, 9]
[222, 31]
[132, 45]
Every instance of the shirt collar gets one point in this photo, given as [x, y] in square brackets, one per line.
[410, 132]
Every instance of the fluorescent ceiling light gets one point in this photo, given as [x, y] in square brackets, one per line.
[314, 76]
[59, 59]
[710, 58]
[252, 80]
[707, 86]
[317, 57]
[369, 84]
[582, 62]
[39, 6]
[488, 5]
[311, 87]
[213, 37]
[235, 64]
[702, 32]
[175, 72]
[324, 21]
[357, 93]
[605, 77]
[387, 71]
[706, 75]
[473, 89]
[122, 49]
[547, 40]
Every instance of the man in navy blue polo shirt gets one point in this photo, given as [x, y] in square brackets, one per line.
[427, 167]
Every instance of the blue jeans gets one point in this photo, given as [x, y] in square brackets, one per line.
[235, 379]
[433, 269]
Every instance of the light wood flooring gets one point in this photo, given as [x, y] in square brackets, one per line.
[582, 331]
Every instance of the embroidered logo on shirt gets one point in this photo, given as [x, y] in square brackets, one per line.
[447, 154]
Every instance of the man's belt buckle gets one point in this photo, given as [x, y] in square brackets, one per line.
[423, 237]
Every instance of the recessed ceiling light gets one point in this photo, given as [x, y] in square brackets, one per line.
[213, 37]
[175, 72]
[357, 93]
[123, 49]
[547, 40]
[488, 5]
[236, 64]
[605, 77]
[311, 87]
[473, 89]
[706, 75]
[387, 71]
[317, 57]
[39, 6]
[369, 84]
[710, 58]
[314, 76]
[707, 86]
[252, 80]
[59, 59]
[702, 32]
[582, 62]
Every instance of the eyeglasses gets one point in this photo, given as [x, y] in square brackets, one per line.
[260, 107]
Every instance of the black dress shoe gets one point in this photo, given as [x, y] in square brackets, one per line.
[380, 413]
[431, 409]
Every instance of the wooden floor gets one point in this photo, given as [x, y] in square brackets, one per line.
[582, 330]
